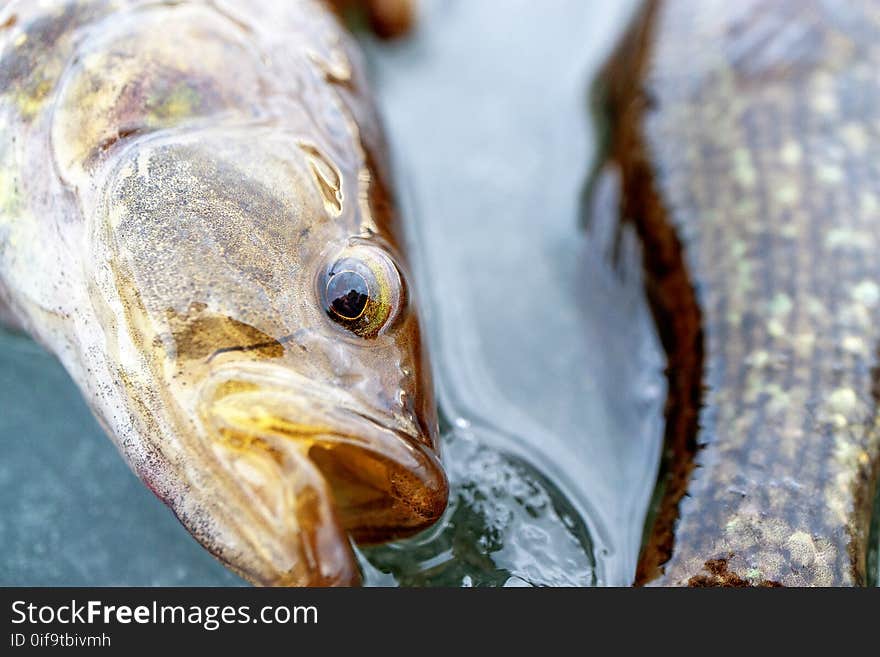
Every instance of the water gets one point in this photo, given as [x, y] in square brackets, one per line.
[505, 526]
[548, 369]
[542, 353]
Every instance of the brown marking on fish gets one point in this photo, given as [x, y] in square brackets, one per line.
[200, 334]
[717, 575]
[9, 22]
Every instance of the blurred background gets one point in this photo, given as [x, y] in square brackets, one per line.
[549, 373]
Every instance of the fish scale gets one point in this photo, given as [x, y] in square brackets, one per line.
[747, 136]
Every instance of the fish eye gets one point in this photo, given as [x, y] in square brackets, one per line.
[362, 290]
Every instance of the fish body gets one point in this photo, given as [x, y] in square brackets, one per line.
[196, 218]
[747, 139]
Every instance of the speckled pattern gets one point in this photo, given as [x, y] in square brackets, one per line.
[748, 136]
[169, 223]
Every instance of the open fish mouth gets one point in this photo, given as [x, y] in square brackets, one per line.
[314, 465]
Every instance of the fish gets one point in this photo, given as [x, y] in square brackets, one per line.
[744, 137]
[197, 219]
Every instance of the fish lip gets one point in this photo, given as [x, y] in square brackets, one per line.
[300, 391]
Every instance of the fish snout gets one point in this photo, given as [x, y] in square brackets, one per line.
[314, 467]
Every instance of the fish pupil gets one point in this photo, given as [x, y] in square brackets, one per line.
[348, 294]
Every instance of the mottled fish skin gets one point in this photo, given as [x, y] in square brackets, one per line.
[179, 182]
[747, 137]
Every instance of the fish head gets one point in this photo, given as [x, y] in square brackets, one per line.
[259, 319]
